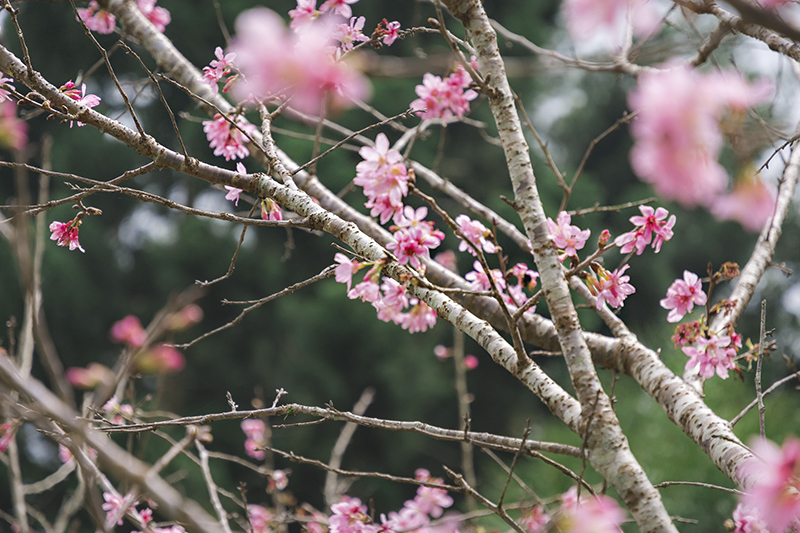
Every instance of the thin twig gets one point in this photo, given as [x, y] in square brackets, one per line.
[222, 515]
[464, 486]
[235, 255]
[514, 463]
[771, 388]
[762, 338]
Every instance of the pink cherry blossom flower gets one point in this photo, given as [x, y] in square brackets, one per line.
[751, 204]
[89, 100]
[392, 33]
[117, 507]
[129, 331]
[476, 233]
[4, 94]
[368, 290]
[593, 514]
[470, 362]
[255, 430]
[278, 480]
[447, 259]
[395, 294]
[349, 34]
[534, 520]
[419, 318]
[677, 134]
[270, 210]
[305, 12]
[218, 69]
[446, 98]
[479, 280]
[66, 233]
[346, 269]
[13, 131]
[775, 495]
[613, 287]
[567, 237]
[441, 352]
[349, 516]
[384, 178]
[747, 520]
[227, 140]
[97, 19]
[338, 7]
[413, 243]
[275, 61]
[90, 377]
[651, 226]
[713, 354]
[585, 17]
[161, 359]
[683, 295]
[260, 518]
[233, 194]
[158, 16]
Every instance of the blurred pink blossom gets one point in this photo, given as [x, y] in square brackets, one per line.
[677, 133]
[747, 520]
[471, 362]
[96, 18]
[775, 495]
[585, 17]
[161, 359]
[260, 518]
[129, 331]
[338, 7]
[751, 204]
[159, 16]
[90, 377]
[4, 94]
[13, 131]
[274, 61]
[419, 318]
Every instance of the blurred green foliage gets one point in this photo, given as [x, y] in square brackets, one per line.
[317, 344]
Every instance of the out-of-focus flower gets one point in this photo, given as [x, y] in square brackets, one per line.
[4, 94]
[775, 495]
[185, 318]
[441, 352]
[275, 61]
[750, 203]
[7, 432]
[13, 131]
[90, 377]
[677, 131]
[419, 318]
[255, 430]
[226, 139]
[260, 518]
[592, 514]
[747, 520]
[117, 507]
[447, 259]
[347, 267]
[534, 520]
[96, 18]
[278, 480]
[471, 362]
[129, 331]
[585, 17]
[162, 359]
[304, 13]
[338, 7]
[159, 16]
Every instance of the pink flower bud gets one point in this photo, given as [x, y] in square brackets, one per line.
[89, 377]
[162, 359]
[129, 331]
[470, 362]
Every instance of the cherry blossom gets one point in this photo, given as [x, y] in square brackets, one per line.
[677, 133]
[534, 520]
[278, 480]
[270, 210]
[116, 506]
[419, 318]
[414, 237]
[444, 98]
[611, 287]
[651, 226]
[96, 18]
[90, 377]
[476, 233]
[747, 520]
[349, 34]
[394, 299]
[66, 233]
[161, 359]
[13, 131]
[260, 518]
[275, 61]
[368, 290]
[384, 178]
[346, 268]
[775, 495]
[350, 516]
[479, 280]
[129, 331]
[683, 295]
[392, 33]
[711, 354]
[89, 100]
[470, 362]
[255, 430]
[585, 17]
[593, 514]
[158, 16]
[750, 203]
[338, 7]
[4, 94]
[567, 237]
[304, 13]
[218, 69]
[226, 139]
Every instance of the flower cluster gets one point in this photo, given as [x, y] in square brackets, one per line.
[714, 353]
[446, 98]
[226, 139]
[476, 233]
[89, 100]
[217, 69]
[384, 178]
[567, 237]
[651, 226]
[678, 137]
[275, 61]
[117, 507]
[99, 20]
[160, 359]
[414, 237]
